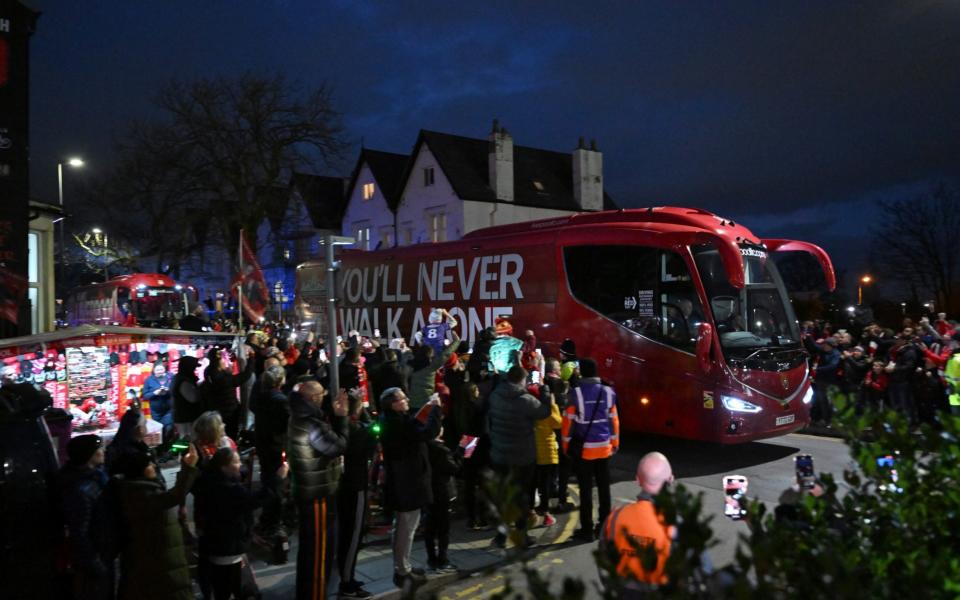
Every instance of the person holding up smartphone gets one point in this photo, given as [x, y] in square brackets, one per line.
[404, 437]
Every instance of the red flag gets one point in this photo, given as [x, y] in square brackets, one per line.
[12, 288]
[254, 287]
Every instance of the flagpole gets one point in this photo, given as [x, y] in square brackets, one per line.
[240, 287]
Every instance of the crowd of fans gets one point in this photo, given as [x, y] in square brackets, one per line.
[415, 431]
[910, 371]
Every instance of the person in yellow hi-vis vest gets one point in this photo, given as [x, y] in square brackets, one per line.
[952, 375]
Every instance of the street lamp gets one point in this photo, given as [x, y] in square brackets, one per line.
[76, 163]
[865, 280]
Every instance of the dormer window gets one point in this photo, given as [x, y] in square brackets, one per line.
[368, 190]
[428, 177]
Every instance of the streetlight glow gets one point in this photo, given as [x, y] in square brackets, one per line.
[96, 230]
[866, 279]
[75, 162]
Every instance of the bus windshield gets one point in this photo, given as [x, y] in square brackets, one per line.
[758, 316]
[154, 303]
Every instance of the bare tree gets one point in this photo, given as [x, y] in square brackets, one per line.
[914, 242]
[197, 176]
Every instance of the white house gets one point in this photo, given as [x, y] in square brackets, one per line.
[451, 185]
[372, 196]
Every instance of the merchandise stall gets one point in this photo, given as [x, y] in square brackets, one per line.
[96, 373]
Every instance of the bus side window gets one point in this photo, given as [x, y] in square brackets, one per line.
[679, 306]
[123, 300]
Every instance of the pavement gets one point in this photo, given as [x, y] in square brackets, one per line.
[483, 569]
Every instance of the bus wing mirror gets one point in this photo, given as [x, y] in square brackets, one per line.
[704, 343]
[816, 251]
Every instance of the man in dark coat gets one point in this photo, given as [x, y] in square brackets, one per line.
[387, 374]
[272, 410]
[403, 437]
[352, 496]
[513, 453]
[220, 389]
[226, 511]
[316, 441]
[82, 482]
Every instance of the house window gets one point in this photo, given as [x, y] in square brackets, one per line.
[362, 235]
[428, 178]
[437, 227]
[368, 191]
[386, 237]
[407, 229]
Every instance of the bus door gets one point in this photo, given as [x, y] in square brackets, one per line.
[645, 344]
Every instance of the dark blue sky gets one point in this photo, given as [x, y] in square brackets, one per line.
[792, 118]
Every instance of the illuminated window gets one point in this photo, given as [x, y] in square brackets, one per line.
[386, 237]
[437, 227]
[428, 178]
[367, 191]
[361, 233]
[286, 254]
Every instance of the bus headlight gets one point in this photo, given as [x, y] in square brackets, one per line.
[732, 403]
[808, 397]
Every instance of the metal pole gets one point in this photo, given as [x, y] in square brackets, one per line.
[860, 295]
[62, 217]
[333, 367]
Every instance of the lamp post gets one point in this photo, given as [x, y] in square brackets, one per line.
[329, 241]
[76, 163]
[865, 280]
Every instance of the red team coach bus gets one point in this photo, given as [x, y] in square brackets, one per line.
[136, 299]
[684, 311]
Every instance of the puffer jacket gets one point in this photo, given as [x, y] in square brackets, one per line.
[153, 560]
[315, 448]
[543, 430]
[512, 413]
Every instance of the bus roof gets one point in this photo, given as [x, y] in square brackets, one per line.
[663, 218]
[133, 280]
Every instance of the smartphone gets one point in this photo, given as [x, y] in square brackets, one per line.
[734, 490]
[322, 355]
[180, 446]
[470, 446]
[283, 457]
[376, 333]
[803, 464]
[535, 377]
[889, 463]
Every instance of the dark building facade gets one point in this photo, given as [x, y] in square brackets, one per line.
[17, 23]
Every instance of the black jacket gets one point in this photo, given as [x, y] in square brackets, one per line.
[361, 444]
[272, 410]
[225, 508]
[385, 376]
[854, 370]
[316, 472]
[906, 359]
[403, 439]
[219, 388]
[187, 404]
[81, 490]
[444, 464]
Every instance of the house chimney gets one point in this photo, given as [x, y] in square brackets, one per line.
[500, 163]
[588, 176]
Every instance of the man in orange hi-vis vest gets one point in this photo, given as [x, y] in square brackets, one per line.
[630, 529]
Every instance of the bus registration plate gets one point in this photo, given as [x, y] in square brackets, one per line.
[785, 420]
